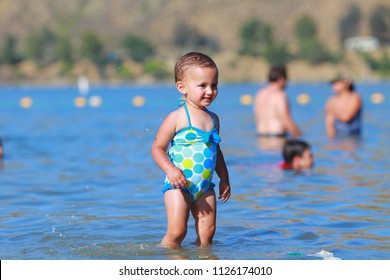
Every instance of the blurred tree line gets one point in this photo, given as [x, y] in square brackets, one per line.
[256, 39]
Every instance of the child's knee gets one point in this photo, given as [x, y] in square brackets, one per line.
[177, 234]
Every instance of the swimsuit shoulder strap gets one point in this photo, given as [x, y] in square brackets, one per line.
[189, 118]
[188, 115]
[212, 117]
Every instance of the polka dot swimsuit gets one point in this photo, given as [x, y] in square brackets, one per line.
[194, 151]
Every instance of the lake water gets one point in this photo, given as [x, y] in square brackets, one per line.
[79, 183]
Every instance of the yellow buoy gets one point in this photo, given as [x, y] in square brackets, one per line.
[246, 99]
[80, 102]
[138, 101]
[95, 101]
[377, 98]
[26, 102]
[303, 99]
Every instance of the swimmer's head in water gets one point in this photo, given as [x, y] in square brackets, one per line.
[297, 154]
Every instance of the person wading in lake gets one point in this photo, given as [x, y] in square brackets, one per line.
[343, 111]
[272, 112]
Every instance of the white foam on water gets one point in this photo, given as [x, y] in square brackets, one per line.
[325, 255]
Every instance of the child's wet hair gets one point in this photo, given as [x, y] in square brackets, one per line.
[189, 60]
[293, 148]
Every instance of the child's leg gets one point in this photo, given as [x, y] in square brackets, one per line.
[177, 205]
[204, 211]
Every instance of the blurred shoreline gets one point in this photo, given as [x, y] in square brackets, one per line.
[55, 42]
[233, 69]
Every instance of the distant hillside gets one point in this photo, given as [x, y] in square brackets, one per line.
[156, 20]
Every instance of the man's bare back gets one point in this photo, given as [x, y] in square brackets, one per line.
[270, 104]
[272, 110]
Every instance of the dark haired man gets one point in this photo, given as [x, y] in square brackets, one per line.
[272, 112]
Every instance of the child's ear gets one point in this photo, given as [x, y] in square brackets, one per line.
[181, 87]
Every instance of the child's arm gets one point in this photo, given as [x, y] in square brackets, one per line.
[159, 152]
[222, 172]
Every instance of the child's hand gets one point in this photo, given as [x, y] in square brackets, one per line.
[177, 178]
[224, 190]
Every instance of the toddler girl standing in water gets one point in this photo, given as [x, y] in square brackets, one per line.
[193, 132]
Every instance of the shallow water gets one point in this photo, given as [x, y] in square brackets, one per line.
[79, 183]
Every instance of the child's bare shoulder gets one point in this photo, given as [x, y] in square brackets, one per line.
[177, 118]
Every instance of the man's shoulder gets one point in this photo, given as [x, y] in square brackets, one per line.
[268, 90]
[261, 91]
[357, 95]
[279, 94]
[330, 102]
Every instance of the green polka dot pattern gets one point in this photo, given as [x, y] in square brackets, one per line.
[194, 151]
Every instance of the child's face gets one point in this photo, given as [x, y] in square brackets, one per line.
[306, 161]
[199, 86]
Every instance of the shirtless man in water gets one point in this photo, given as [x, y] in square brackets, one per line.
[343, 111]
[271, 107]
